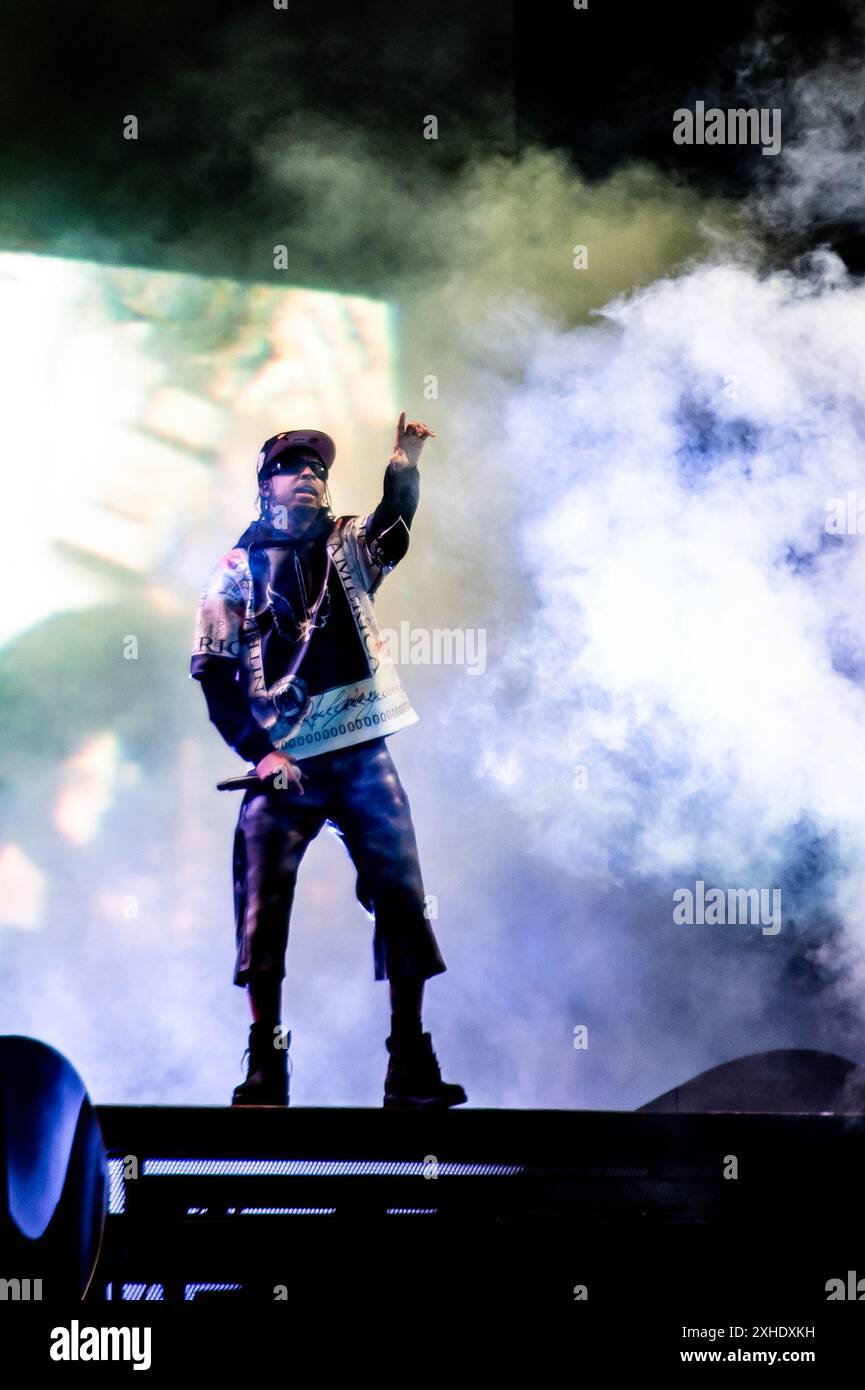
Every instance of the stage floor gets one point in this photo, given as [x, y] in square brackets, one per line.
[258, 1198]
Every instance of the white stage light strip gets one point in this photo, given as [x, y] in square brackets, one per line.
[116, 1187]
[316, 1167]
[287, 1211]
[190, 1290]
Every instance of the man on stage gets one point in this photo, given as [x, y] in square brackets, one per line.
[298, 681]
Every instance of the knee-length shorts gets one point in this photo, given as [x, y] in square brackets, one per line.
[358, 792]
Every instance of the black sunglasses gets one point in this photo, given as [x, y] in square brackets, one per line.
[292, 464]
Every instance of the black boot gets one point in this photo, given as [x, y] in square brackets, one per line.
[414, 1080]
[268, 1071]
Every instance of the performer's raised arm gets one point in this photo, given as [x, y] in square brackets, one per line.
[387, 530]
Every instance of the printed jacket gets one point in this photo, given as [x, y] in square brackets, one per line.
[267, 692]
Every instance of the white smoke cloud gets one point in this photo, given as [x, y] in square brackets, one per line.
[695, 642]
[820, 174]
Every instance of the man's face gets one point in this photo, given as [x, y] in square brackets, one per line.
[297, 486]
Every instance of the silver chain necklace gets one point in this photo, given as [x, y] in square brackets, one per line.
[310, 620]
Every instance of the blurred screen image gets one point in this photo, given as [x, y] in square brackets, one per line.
[135, 406]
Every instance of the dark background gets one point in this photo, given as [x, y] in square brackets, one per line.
[209, 82]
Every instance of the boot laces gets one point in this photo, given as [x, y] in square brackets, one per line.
[420, 1059]
[288, 1059]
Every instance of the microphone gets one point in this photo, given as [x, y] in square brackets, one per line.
[243, 783]
[250, 781]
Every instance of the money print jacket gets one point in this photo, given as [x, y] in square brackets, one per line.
[287, 647]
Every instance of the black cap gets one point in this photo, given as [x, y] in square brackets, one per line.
[292, 441]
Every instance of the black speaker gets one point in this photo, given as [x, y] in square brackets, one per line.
[53, 1175]
[789, 1082]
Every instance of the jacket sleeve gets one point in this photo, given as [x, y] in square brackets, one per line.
[221, 610]
[229, 709]
[215, 660]
[387, 528]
